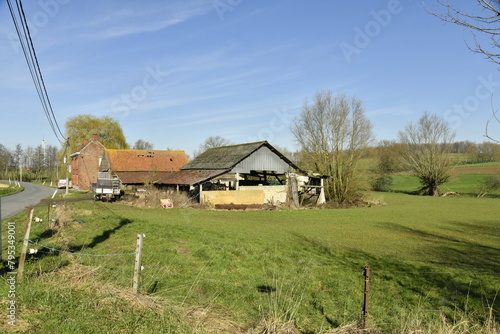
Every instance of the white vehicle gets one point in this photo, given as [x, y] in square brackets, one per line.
[61, 184]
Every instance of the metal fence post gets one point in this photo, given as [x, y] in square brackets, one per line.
[366, 273]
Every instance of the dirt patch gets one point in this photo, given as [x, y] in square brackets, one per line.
[476, 170]
[466, 170]
[3, 185]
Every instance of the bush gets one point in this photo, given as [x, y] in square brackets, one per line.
[382, 183]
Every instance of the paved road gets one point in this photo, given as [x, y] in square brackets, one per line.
[32, 194]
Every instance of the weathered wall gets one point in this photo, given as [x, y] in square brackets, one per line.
[247, 195]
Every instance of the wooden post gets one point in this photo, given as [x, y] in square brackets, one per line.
[22, 258]
[138, 260]
[48, 213]
[366, 273]
[295, 191]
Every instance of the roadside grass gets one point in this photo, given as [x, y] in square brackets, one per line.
[7, 189]
[292, 270]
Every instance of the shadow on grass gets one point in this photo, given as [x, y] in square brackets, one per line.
[399, 284]
[454, 252]
[101, 238]
[72, 249]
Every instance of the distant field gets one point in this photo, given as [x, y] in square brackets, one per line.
[480, 168]
[467, 184]
[229, 272]
[465, 179]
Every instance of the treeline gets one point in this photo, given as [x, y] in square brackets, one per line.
[30, 163]
[467, 152]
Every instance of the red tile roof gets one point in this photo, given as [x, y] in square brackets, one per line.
[140, 177]
[146, 160]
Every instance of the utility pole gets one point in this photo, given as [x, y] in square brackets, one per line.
[67, 166]
[67, 173]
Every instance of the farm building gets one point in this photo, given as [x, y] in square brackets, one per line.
[252, 173]
[139, 167]
[85, 163]
[132, 167]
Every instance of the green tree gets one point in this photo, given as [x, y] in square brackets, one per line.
[387, 154]
[81, 128]
[332, 133]
[427, 146]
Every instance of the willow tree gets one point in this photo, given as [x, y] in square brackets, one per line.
[427, 147]
[81, 128]
[332, 133]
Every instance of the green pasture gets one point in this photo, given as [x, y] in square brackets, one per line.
[232, 271]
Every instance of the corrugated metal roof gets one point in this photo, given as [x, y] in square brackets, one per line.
[146, 160]
[226, 157]
[190, 177]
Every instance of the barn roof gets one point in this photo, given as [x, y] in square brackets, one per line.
[190, 177]
[146, 160]
[226, 157]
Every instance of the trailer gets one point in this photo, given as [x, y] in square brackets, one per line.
[106, 190]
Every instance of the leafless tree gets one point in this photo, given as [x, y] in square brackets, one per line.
[426, 150]
[483, 22]
[211, 142]
[141, 144]
[332, 133]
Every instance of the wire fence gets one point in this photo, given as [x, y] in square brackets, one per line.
[75, 253]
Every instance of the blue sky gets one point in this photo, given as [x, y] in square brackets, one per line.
[176, 72]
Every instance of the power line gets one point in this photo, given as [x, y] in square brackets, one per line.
[28, 48]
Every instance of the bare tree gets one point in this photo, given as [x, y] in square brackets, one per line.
[332, 133]
[141, 144]
[483, 21]
[211, 142]
[5, 159]
[426, 150]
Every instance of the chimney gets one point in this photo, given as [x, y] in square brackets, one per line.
[94, 137]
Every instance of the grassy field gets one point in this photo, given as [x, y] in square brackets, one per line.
[434, 265]
[465, 180]
[9, 189]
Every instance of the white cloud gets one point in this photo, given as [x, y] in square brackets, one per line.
[128, 21]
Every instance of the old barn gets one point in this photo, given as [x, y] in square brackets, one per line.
[252, 173]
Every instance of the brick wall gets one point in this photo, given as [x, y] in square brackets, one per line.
[85, 166]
